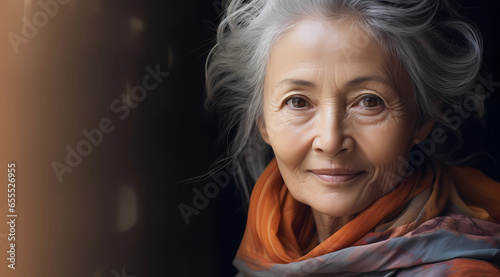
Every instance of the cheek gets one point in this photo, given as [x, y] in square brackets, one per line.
[384, 143]
[288, 137]
[290, 145]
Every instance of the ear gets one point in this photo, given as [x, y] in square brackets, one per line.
[423, 131]
[262, 128]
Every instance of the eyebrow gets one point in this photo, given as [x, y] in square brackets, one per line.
[296, 82]
[365, 79]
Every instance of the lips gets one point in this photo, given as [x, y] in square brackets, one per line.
[336, 175]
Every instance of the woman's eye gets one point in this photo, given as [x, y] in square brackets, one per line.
[297, 103]
[371, 101]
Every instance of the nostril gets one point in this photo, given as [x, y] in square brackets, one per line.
[334, 144]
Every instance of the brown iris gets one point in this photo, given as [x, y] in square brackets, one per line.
[297, 103]
[371, 101]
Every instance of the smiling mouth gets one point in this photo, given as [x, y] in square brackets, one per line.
[336, 178]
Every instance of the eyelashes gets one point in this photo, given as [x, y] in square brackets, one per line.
[365, 102]
[297, 102]
[370, 101]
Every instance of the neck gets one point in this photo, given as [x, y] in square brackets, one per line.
[327, 225]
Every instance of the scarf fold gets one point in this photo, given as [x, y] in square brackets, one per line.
[280, 231]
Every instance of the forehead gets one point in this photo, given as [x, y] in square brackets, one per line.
[316, 44]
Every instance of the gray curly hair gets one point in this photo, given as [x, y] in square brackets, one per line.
[440, 50]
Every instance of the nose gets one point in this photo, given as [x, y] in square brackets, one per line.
[330, 137]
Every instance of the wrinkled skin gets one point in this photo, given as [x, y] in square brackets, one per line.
[334, 100]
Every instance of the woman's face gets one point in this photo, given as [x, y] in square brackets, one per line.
[340, 116]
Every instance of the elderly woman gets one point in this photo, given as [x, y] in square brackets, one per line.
[337, 109]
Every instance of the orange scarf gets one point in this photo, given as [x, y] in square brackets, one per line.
[281, 230]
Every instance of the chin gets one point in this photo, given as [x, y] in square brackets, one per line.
[337, 206]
